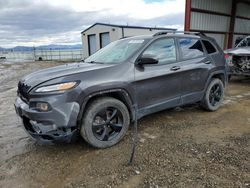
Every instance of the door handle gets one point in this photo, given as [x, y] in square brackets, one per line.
[175, 68]
[207, 62]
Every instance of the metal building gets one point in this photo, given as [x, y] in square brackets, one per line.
[225, 20]
[100, 34]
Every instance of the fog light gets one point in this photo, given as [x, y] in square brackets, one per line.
[42, 106]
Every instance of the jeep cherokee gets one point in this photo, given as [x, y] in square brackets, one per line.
[124, 81]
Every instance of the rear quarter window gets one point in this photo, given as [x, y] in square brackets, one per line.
[190, 48]
[209, 47]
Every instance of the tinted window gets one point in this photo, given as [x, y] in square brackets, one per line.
[163, 50]
[209, 47]
[190, 48]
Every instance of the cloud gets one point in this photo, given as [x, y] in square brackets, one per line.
[40, 22]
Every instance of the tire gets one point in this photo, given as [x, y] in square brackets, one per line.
[98, 128]
[214, 95]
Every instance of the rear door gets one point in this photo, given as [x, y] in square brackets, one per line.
[158, 85]
[195, 69]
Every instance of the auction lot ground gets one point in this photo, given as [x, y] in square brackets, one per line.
[183, 147]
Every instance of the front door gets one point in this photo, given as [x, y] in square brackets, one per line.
[158, 86]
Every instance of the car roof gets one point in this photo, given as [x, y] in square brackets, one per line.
[176, 35]
[159, 36]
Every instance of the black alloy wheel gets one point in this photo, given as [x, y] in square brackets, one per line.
[215, 94]
[107, 123]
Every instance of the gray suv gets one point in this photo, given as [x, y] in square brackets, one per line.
[124, 81]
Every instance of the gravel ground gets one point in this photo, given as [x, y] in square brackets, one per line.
[181, 147]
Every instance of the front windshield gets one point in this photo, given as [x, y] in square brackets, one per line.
[116, 52]
[244, 43]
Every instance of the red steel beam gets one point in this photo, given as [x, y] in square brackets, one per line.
[242, 17]
[232, 23]
[242, 34]
[208, 31]
[187, 15]
[216, 32]
[209, 12]
[217, 13]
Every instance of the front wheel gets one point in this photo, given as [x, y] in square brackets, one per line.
[214, 95]
[105, 122]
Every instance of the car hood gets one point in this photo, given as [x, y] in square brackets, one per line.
[239, 51]
[44, 75]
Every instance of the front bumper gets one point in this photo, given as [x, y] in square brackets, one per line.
[56, 125]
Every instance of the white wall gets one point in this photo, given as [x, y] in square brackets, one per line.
[114, 32]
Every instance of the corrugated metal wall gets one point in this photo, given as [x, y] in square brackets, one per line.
[203, 21]
[213, 17]
[242, 25]
[210, 22]
[243, 10]
[223, 6]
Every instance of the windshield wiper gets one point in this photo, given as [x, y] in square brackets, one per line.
[94, 62]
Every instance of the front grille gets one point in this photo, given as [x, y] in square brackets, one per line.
[22, 91]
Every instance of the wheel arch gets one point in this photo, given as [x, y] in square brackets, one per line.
[119, 94]
[220, 75]
[216, 74]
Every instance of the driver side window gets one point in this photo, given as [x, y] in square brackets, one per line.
[163, 50]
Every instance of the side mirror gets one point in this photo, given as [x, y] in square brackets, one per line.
[146, 60]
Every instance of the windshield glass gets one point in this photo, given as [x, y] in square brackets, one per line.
[244, 43]
[117, 52]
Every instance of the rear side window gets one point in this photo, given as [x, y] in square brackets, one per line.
[209, 47]
[163, 50]
[190, 48]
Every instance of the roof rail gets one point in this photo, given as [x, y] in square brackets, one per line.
[174, 32]
[160, 33]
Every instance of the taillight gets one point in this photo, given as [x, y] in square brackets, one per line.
[229, 59]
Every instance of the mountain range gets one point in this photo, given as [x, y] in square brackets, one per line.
[44, 47]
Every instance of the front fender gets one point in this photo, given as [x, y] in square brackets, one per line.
[127, 96]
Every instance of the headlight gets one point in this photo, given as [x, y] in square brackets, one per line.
[56, 87]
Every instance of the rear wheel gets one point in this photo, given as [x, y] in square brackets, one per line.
[105, 122]
[214, 95]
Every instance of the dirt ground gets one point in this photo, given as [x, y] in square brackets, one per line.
[182, 147]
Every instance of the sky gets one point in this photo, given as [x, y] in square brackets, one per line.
[43, 22]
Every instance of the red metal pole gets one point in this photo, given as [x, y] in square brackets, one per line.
[232, 23]
[187, 15]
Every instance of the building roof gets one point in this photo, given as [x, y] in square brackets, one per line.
[128, 26]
